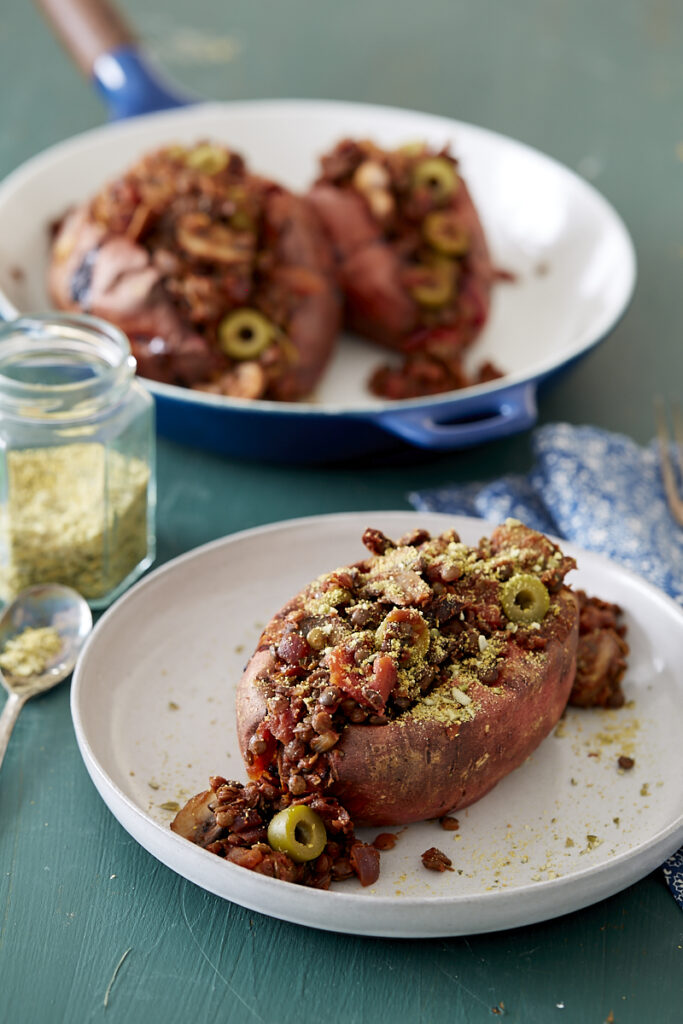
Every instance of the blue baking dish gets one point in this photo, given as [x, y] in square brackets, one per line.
[568, 257]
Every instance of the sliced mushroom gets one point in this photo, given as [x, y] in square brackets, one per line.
[246, 380]
[372, 180]
[215, 243]
[196, 821]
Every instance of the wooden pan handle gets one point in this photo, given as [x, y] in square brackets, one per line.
[87, 28]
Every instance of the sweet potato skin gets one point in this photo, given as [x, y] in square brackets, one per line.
[415, 767]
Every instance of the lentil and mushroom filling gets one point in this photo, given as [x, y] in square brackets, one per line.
[231, 820]
[415, 630]
[603, 651]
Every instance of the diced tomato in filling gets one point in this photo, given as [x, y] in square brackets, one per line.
[281, 723]
[345, 674]
[355, 680]
[384, 675]
[261, 762]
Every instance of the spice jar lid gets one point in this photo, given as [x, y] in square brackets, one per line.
[62, 365]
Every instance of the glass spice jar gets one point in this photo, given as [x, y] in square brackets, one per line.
[77, 475]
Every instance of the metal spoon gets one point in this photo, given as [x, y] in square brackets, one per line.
[48, 604]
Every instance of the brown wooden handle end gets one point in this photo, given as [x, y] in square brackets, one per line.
[86, 28]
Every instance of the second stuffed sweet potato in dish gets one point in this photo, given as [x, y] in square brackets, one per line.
[222, 280]
[410, 684]
[412, 259]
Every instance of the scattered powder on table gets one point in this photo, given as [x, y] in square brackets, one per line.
[31, 651]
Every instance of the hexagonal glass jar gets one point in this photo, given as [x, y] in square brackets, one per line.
[77, 450]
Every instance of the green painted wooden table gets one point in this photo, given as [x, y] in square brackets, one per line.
[600, 87]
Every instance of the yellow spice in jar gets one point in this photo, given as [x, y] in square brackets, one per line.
[73, 514]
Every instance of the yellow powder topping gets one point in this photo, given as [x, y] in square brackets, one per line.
[30, 652]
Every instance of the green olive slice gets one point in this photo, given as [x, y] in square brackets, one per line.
[443, 232]
[524, 598]
[245, 333]
[433, 285]
[438, 176]
[207, 158]
[299, 832]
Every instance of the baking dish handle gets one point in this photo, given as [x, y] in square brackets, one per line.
[104, 47]
[508, 412]
[129, 85]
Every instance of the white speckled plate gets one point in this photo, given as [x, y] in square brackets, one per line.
[152, 703]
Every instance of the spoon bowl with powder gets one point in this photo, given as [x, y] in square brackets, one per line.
[41, 634]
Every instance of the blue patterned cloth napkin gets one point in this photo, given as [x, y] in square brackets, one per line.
[598, 489]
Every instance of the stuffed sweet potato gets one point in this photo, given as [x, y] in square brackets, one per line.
[411, 683]
[412, 259]
[222, 280]
[397, 689]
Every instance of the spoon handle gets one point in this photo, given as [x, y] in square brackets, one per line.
[10, 713]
